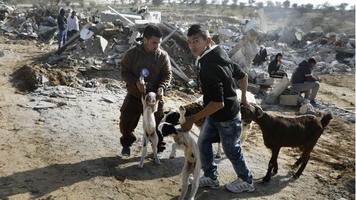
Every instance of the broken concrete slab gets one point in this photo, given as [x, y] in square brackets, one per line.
[253, 88]
[264, 81]
[306, 108]
[272, 97]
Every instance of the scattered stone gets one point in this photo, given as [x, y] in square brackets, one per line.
[109, 99]
[335, 175]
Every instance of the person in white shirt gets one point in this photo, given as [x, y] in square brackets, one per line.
[72, 24]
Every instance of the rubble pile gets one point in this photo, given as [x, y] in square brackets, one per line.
[34, 23]
[100, 46]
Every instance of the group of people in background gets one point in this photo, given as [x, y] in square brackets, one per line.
[67, 26]
[302, 79]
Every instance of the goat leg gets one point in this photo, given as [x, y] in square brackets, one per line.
[306, 156]
[272, 165]
[275, 164]
[154, 147]
[297, 163]
[195, 184]
[144, 150]
[185, 176]
[173, 152]
[218, 153]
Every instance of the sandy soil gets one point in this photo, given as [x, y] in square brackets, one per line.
[72, 151]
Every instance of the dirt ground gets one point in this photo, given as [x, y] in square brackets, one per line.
[73, 151]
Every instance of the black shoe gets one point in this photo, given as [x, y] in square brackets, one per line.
[125, 151]
[314, 103]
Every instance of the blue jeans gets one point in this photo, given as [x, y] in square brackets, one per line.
[228, 132]
[62, 37]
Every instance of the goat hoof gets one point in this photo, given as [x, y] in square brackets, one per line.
[266, 179]
[296, 176]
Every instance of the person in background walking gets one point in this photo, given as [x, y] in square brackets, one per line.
[62, 26]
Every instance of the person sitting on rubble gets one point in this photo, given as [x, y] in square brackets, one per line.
[73, 24]
[260, 56]
[304, 81]
[62, 26]
[274, 67]
[148, 60]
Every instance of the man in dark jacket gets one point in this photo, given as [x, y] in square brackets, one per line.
[274, 67]
[150, 58]
[62, 26]
[221, 112]
[260, 56]
[304, 81]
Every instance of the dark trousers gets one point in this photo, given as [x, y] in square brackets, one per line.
[279, 74]
[71, 33]
[131, 111]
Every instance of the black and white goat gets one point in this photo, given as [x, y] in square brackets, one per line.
[150, 106]
[173, 117]
[192, 164]
[278, 131]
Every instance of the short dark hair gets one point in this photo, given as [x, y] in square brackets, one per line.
[278, 54]
[152, 30]
[196, 29]
[311, 61]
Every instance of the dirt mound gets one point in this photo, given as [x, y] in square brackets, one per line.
[28, 78]
[24, 79]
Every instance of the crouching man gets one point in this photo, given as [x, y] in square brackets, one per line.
[304, 81]
[222, 111]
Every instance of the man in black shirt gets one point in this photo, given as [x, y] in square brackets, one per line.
[274, 67]
[221, 112]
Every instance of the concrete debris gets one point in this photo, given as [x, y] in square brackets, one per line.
[306, 108]
[103, 43]
[86, 34]
[109, 99]
[91, 83]
[272, 97]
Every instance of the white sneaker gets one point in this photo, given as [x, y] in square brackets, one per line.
[159, 155]
[207, 182]
[239, 186]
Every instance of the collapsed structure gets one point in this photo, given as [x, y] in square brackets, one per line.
[102, 42]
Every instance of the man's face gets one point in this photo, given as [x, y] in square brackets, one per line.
[152, 44]
[74, 14]
[197, 44]
[279, 58]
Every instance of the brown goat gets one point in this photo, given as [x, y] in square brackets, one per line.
[278, 131]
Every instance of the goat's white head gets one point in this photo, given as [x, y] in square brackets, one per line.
[150, 98]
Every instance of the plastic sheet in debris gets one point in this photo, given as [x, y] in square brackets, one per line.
[85, 34]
